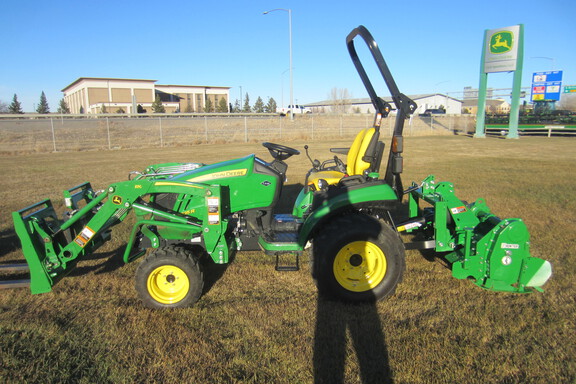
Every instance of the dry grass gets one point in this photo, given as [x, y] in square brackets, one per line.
[256, 325]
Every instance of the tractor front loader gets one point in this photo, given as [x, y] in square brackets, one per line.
[353, 219]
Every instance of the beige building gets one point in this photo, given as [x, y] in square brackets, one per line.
[94, 95]
[493, 106]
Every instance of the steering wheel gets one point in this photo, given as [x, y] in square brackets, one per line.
[280, 152]
[340, 165]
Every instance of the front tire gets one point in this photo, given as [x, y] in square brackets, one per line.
[358, 258]
[169, 277]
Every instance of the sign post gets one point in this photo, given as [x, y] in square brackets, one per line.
[502, 51]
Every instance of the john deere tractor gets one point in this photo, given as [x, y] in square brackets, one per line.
[349, 212]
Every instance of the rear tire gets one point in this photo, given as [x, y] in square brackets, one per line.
[169, 277]
[357, 258]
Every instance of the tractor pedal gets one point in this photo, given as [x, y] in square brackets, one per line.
[288, 268]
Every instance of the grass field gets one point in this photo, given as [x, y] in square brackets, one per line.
[255, 325]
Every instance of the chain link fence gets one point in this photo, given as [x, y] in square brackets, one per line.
[61, 133]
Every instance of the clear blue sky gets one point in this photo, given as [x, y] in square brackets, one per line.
[430, 46]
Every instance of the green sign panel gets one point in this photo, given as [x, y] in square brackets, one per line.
[570, 89]
[501, 42]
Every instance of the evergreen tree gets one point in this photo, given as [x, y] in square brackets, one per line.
[157, 106]
[43, 105]
[271, 106]
[236, 108]
[188, 108]
[208, 107]
[103, 109]
[15, 106]
[258, 105]
[63, 107]
[247, 108]
[222, 106]
[81, 110]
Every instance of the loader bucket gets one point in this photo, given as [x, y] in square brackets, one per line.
[49, 244]
[31, 226]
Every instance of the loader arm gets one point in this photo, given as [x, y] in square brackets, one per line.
[52, 247]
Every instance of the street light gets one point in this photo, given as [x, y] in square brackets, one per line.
[547, 58]
[290, 67]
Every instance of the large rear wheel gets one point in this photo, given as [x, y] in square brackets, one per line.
[169, 277]
[358, 258]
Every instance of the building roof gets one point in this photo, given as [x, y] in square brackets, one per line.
[368, 101]
[103, 78]
[141, 80]
[190, 86]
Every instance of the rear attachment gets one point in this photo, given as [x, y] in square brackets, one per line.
[492, 252]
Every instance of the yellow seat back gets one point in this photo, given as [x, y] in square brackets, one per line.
[354, 163]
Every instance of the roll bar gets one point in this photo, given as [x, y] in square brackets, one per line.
[404, 105]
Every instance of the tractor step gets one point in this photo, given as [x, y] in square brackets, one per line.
[14, 283]
[288, 267]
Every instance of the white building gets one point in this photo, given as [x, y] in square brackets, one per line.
[424, 102]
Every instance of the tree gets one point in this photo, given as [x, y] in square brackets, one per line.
[3, 107]
[43, 107]
[568, 102]
[63, 107]
[271, 106]
[247, 108]
[157, 106]
[188, 108]
[222, 106]
[340, 100]
[103, 109]
[208, 107]
[139, 109]
[15, 107]
[236, 108]
[258, 106]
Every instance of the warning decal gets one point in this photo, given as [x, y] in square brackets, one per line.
[213, 210]
[458, 210]
[84, 237]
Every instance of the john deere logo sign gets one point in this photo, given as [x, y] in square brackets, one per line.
[501, 49]
[501, 42]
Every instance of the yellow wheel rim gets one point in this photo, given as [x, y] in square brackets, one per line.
[360, 266]
[168, 284]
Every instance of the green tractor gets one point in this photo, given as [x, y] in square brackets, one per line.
[350, 213]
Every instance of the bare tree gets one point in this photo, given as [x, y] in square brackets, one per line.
[568, 102]
[340, 100]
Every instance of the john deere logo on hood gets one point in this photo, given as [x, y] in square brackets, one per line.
[501, 42]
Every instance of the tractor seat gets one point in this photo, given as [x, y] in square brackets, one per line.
[363, 156]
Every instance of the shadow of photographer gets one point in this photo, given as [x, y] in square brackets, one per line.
[334, 322]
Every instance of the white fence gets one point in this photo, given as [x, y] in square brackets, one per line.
[48, 133]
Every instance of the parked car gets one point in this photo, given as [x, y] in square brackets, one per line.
[433, 111]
